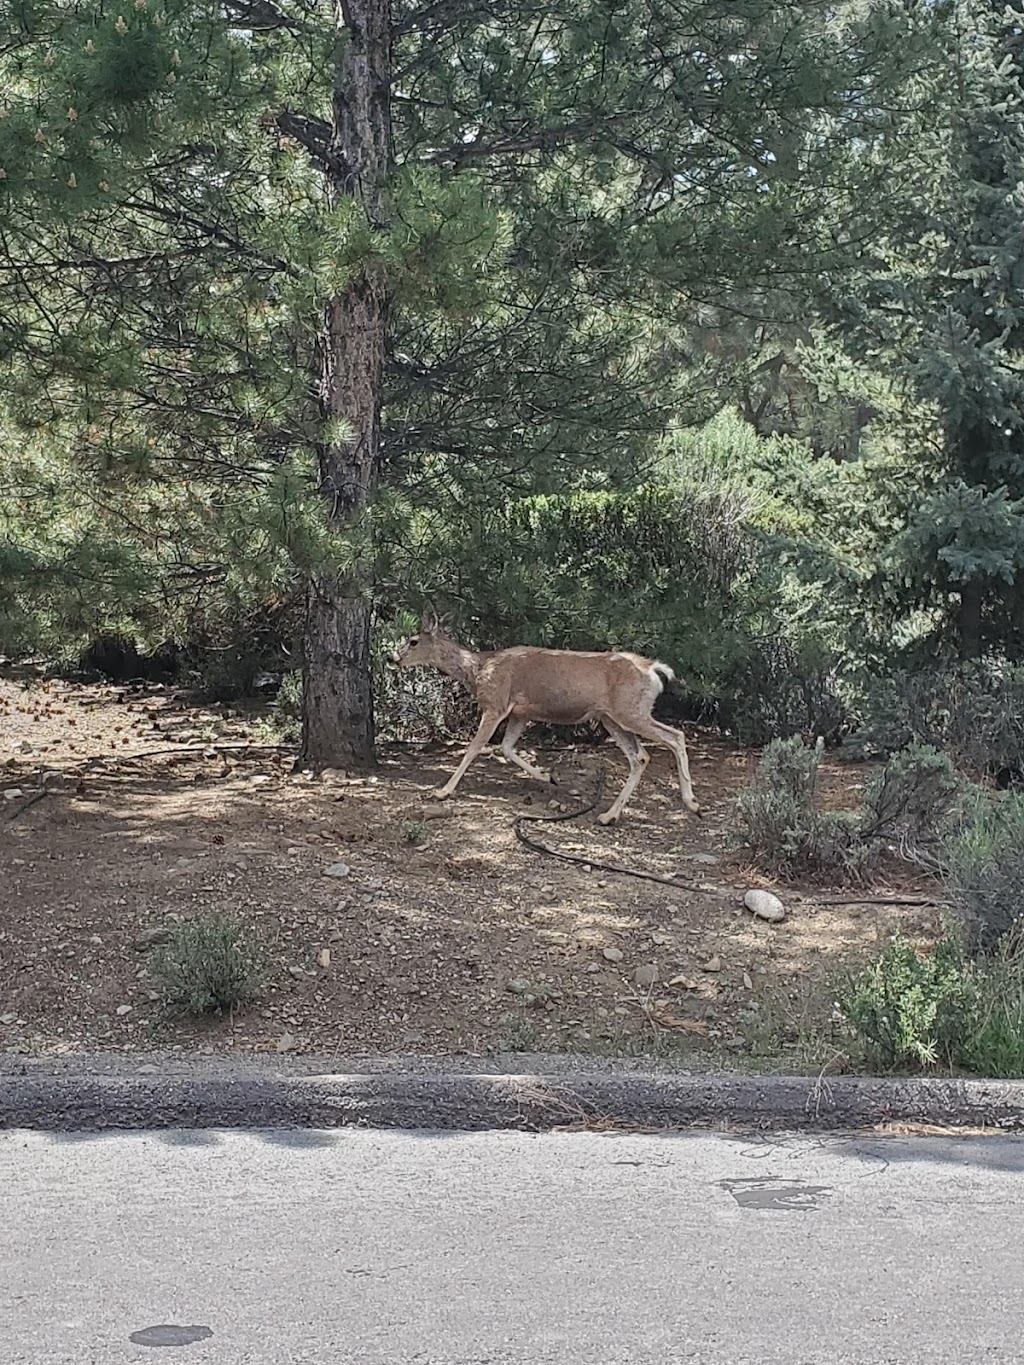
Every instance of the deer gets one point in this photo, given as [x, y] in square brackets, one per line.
[557, 687]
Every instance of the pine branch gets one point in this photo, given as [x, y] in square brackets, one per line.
[262, 16]
[543, 140]
[316, 135]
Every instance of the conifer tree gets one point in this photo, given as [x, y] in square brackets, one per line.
[278, 269]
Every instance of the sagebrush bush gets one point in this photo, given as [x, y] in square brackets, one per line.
[786, 832]
[983, 861]
[208, 966]
[911, 800]
[783, 828]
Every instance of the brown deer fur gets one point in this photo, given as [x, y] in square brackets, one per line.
[557, 687]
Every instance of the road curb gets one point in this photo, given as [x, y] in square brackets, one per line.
[468, 1102]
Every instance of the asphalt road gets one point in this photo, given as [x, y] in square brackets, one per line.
[391, 1248]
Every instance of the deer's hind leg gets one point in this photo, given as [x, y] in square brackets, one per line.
[653, 730]
[638, 759]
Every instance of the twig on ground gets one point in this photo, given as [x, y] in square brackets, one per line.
[25, 805]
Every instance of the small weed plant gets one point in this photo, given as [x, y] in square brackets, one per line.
[209, 966]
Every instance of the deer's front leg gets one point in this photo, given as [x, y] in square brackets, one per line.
[489, 722]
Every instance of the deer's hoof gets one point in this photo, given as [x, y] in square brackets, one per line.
[608, 817]
[441, 794]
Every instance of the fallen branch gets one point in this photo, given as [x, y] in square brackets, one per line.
[25, 805]
[537, 847]
[873, 900]
[234, 747]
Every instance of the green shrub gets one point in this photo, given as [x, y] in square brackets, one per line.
[984, 869]
[913, 1010]
[996, 1045]
[784, 830]
[208, 966]
[908, 802]
[780, 690]
[912, 799]
[972, 711]
[283, 723]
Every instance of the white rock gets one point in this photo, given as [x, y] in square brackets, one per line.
[765, 906]
[613, 954]
[12, 793]
[337, 870]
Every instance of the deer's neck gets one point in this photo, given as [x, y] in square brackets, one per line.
[462, 665]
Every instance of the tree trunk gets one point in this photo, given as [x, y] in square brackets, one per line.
[338, 728]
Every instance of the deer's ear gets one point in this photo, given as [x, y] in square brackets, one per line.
[429, 622]
[447, 621]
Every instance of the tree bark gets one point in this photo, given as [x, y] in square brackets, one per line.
[338, 725]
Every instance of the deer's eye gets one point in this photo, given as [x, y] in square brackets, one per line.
[414, 641]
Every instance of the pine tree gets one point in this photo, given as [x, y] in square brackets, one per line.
[291, 270]
[942, 302]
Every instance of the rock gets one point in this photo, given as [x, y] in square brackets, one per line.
[8, 1018]
[285, 1043]
[659, 939]
[122, 1010]
[337, 870]
[612, 954]
[297, 972]
[13, 794]
[23, 746]
[518, 985]
[324, 957]
[713, 964]
[151, 938]
[708, 859]
[260, 779]
[686, 982]
[748, 981]
[765, 906]
[547, 889]
[646, 975]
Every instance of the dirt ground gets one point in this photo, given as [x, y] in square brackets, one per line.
[445, 935]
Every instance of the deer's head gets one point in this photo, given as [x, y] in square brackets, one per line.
[428, 646]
